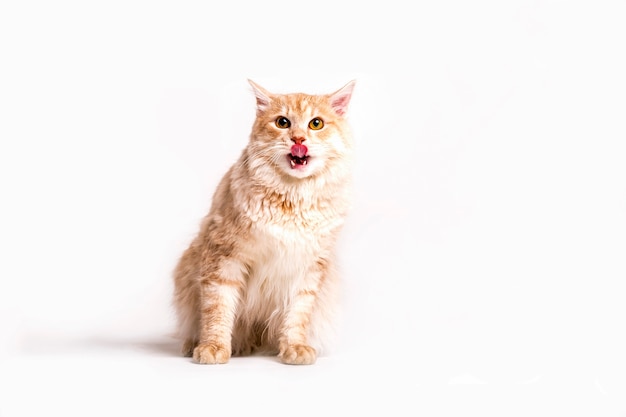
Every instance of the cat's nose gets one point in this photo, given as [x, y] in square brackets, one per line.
[298, 139]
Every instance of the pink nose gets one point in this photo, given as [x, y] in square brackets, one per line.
[298, 140]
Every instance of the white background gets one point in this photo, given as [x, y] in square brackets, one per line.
[483, 262]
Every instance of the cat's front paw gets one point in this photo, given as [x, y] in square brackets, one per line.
[211, 353]
[297, 355]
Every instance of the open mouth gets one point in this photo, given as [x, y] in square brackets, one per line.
[298, 156]
[297, 161]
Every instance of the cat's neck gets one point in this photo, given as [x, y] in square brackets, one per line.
[303, 204]
[265, 185]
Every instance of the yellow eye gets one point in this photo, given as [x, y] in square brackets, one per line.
[316, 124]
[283, 122]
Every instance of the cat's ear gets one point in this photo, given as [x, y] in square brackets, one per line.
[262, 96]
[340, 99]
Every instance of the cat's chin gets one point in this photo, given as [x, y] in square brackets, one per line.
[299, 167]
[299, 172]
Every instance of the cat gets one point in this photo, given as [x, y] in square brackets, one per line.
[261, 275]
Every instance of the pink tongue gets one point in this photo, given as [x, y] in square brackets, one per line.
[299, 150]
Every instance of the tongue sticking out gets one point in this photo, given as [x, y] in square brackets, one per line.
[299, 151]
[298, 157]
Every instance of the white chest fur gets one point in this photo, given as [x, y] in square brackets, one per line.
[281, 253]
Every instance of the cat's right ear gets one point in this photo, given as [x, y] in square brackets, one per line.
[339, 100]
[262, 97]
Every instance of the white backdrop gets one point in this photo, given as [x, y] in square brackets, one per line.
[484, 259]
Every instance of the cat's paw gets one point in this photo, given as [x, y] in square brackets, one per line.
[297, 355]
[211, 353]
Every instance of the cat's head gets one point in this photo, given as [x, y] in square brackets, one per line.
[301, 135]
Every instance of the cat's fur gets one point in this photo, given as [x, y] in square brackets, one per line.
[260, 275]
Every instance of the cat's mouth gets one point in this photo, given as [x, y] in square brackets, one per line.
[298, 156]
[296, 161]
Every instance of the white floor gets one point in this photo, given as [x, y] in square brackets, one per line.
[124, 378]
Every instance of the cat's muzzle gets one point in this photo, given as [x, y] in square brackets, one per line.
[299, 155]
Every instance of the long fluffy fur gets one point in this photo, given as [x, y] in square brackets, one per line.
[260, 275]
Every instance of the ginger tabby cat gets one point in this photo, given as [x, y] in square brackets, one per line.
[260, 275]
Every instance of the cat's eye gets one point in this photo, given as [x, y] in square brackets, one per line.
[316, 124]
[283, 122]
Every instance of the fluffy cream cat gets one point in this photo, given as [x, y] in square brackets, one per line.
[260, 276]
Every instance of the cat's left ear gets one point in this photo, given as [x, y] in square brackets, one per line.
[340, 99]
[262, 96]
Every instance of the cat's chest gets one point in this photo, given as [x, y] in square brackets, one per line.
[294, 232]
[293, 235]
[281, 253]
[288, 222]
[299, 228]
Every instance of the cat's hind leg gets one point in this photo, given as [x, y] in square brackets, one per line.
[187, 300]
[188, 346]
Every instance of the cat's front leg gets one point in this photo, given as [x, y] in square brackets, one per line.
[293, 346]
[220, 293]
